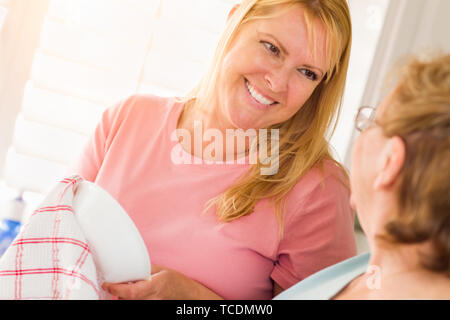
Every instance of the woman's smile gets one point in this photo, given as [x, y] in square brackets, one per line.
[258, 99]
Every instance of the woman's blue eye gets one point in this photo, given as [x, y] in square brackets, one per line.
[309, 74]
[272, 49]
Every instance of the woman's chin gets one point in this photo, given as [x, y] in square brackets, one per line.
[239, 120]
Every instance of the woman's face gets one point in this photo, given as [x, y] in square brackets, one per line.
[270, 71]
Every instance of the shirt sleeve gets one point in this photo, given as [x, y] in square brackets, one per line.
[91, 158]
[317, 234]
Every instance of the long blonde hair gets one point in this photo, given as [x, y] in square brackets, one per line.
[303, 138]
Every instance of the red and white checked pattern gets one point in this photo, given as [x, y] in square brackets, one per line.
[50, 258]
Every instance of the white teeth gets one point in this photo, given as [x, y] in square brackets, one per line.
[257, 96]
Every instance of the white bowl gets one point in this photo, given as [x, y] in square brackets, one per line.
[118, 249]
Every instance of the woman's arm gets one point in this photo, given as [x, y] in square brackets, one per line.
[164, 284]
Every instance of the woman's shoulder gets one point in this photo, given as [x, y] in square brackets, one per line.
[138, 108]
[325, 177]
[321, 197]
[144, 103]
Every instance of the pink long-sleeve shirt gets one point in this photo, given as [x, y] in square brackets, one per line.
[131, 155]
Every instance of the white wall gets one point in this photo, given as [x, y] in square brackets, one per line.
[18, 39]
[411, 27]
[367, 21]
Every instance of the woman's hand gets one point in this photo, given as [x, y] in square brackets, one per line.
[164, 284]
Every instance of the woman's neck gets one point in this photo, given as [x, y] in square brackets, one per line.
[197, 121]
[194, 112]
[391, 257]
[395, 272]
[394, 258]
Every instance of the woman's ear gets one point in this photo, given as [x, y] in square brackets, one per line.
[230, 14]
[392, 160]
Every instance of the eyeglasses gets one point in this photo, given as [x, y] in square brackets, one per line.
[365, 118]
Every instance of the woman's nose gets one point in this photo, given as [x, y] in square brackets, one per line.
[277, 80]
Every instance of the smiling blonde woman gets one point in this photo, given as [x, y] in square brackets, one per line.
[280, 65]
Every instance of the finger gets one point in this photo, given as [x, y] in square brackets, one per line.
[107, 286]
[156, 268]
[130, 291]
[123, 291]
[116, 289]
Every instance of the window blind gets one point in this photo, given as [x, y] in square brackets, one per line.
[91, 54]
[3, 12]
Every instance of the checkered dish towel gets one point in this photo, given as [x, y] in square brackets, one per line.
[50, 258]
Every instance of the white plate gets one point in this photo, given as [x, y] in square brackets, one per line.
[118, 249]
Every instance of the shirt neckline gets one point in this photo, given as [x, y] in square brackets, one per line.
[174, 116]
